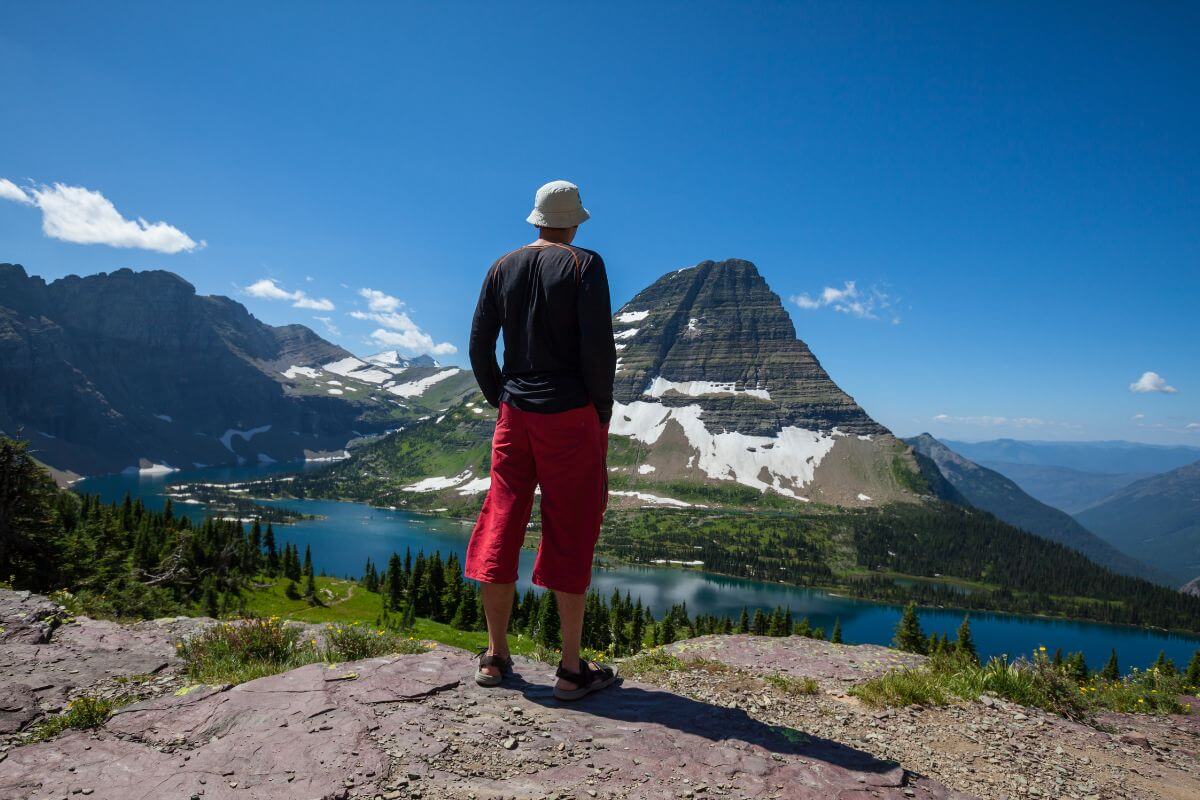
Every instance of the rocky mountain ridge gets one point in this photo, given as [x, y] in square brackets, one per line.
[135, 370]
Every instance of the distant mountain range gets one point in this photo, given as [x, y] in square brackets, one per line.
[1113, 457]
[1157, 519]
[989, 490]
[134, 370]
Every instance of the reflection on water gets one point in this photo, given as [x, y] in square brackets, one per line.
[350, 533]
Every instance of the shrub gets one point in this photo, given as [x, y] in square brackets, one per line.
[244, 650]
[794, 686]
[354, 642]
[83, 713]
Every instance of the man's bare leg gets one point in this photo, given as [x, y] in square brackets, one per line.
[570, 613]
[497, 606]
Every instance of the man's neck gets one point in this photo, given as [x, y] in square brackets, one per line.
[553, 236]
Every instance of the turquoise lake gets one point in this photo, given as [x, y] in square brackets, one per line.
[350, 533]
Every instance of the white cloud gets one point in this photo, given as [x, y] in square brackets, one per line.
[330, 327]
[1152, 382]
[850, 300]
[1193, 426]
[268, 289]
[10, 191]
[378, 301]
[1138, 416]
[83, 216]
[398, 329]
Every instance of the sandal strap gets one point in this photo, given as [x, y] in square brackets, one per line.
[585, 677]
[489, 660]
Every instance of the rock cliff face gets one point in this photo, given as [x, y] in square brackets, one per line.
[713, 385]
[129, 369]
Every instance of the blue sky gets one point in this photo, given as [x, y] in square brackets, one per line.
[1013, 189]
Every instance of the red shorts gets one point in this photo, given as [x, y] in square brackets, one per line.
[565, 453]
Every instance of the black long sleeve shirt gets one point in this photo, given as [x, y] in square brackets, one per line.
[552, 303]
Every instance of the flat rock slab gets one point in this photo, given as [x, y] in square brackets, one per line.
[418, 725]
[798, 656]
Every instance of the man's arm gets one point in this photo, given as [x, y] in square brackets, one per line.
[485, 327]
[598, 352]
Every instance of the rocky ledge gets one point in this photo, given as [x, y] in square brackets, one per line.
[417, 726]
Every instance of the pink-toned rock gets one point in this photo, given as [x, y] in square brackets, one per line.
[419, 723]
[798, 656]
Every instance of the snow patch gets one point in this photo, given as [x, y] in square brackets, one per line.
[316, 459]
[335, 391]
[629, 334]
[227, 437]
[660, 386]
[164, 417]
[645, 469]
[345, 366]
[418, 387]
[263, 458]
[294, 372]
[370, 375]
[476, 486]
[437, 482]
[153, 469]
[792, 456]
[864, 498]
[654, 499]
[632, 316]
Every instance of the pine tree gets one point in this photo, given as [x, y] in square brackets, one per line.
[775, 625]
[836, 636]
[909, 636]
[464, 615]
[1164, 665]
[308, 565]
[743, 625]
[803, 628]
[395, 585]
[758, 626]
[1077, 667]
[1193, 670]
[1112, 670]
[964, 644]
[667, 633]
[548, 633]
[272, 555]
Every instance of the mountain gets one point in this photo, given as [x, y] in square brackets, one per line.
[1114, 457]
[716, 398]
[129, 370]
[1064, 488]
[989, 490]
[1157, 519]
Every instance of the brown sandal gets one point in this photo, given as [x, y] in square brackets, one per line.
[587, 680]
[505, 665]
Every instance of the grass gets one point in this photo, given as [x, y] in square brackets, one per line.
[793, 686]
[82, 713]
[1035, 683]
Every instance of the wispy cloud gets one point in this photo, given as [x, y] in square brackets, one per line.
[1193, 426]
[1152, 382]
[871, 303]
[990, 421]
[269, 289]
[398, 329]
[1138, 416]
[84, 216]
[330, 327]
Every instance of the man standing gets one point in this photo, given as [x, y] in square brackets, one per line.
[555, 395]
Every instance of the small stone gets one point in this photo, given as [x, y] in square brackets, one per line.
[510, 743]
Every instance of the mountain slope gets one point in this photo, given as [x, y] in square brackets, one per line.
[996, 494]
[714, 386]
[133, 369]
[1157, 518]
[1067, 489]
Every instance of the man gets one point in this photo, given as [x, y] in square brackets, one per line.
[555, 396]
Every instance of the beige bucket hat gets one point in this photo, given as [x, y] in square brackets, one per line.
[557, 205]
